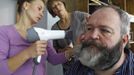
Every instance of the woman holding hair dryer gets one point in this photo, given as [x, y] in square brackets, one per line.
[16, 53]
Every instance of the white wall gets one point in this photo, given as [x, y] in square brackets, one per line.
[7, 12]
[51, 20]
[47, 21]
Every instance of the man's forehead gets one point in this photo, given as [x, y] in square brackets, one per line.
[108, 14]
[107, 17]
[105, 10]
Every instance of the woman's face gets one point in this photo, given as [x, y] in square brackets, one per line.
[58, 8]
[35, 11]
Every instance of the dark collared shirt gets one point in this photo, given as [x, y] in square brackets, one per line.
[127, 67]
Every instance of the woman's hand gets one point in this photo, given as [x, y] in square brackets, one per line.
[37, 48]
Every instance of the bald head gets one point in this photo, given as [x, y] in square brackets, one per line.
[105, 15]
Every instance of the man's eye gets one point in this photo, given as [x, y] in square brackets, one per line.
[89, 28]
[106, 31]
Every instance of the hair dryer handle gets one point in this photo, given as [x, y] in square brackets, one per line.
[37, 60]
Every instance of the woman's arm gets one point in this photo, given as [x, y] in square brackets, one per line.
[8, 65]
[57, 58]
[18, 60]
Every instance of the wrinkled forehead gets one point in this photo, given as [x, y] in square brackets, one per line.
[105, 16]
[106, 10]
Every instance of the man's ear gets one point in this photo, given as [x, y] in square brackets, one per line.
[125, 40]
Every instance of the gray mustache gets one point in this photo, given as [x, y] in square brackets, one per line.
[79, 48]
[87, 44]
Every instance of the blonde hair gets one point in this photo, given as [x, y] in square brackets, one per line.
[21, 2]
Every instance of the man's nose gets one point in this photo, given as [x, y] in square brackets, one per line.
[91, 35]
[95, 35]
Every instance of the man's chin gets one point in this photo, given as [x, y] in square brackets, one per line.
[98, 57]
[89, 60]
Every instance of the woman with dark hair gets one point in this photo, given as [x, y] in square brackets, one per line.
[69, 21]
[16, 53]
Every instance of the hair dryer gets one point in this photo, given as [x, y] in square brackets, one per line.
[36, 33]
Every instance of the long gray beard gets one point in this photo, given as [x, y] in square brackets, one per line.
[99, 58]
[89, 60]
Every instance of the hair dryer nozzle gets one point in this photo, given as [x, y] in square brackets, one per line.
[69, 35]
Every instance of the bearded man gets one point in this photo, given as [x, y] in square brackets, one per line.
[102, 50]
